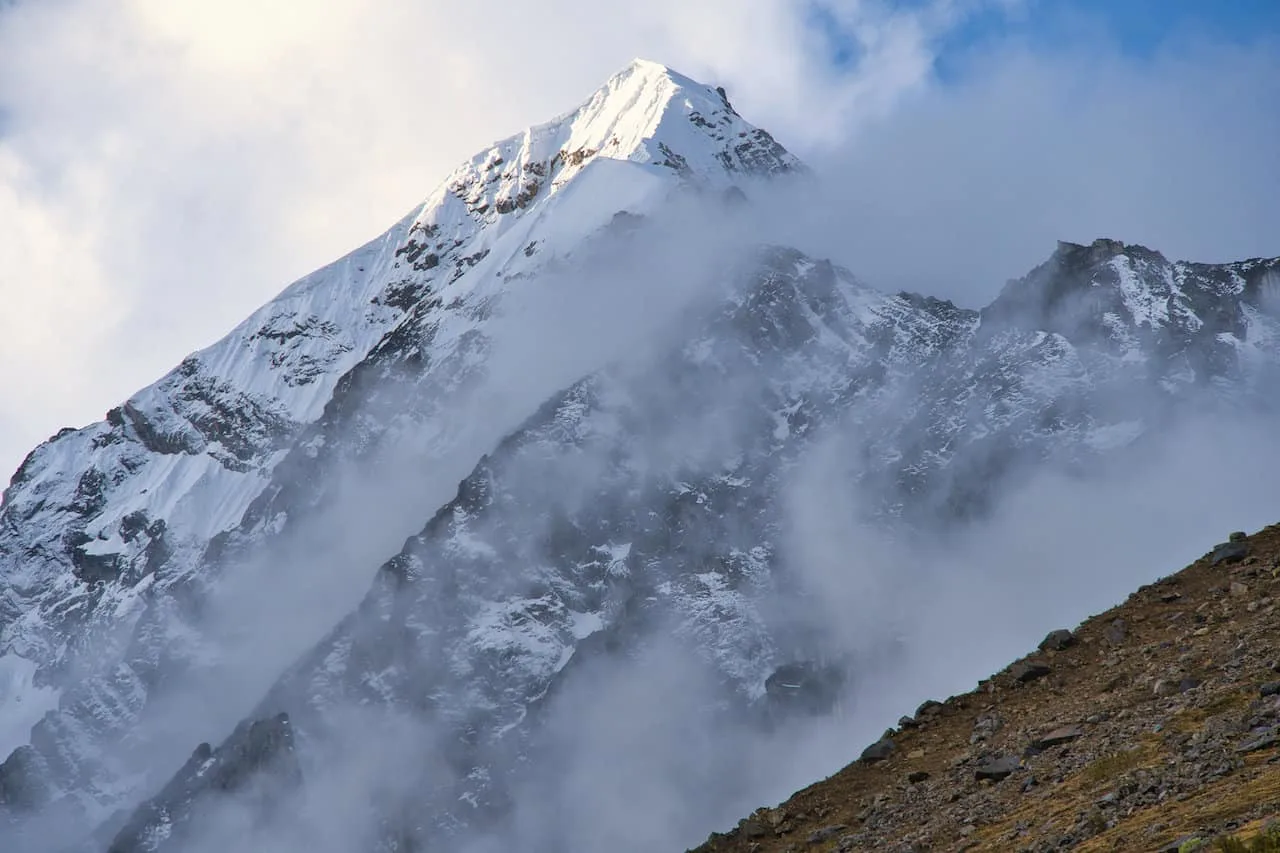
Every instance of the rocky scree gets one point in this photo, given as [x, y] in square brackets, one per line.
[1161, 739]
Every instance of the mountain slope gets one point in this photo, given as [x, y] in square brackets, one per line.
[1150, 725]
[111, 535]
[182, 460]
[651, 498]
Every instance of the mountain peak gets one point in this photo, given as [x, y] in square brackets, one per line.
[646, 115]
[657, 74]
[651, 69]
[1100, 251]
[647, 131]
[650, 114]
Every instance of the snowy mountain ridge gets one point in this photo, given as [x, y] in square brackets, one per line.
[92, 515]
[114, 539]
[181, 460]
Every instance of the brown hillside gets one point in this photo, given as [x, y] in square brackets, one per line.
[1157, 722]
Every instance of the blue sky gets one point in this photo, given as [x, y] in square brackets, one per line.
[1137, 29]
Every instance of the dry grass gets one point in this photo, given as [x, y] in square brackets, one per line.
[1192, 719]
[1265, 841]
[1112, 766]
[1214, 803]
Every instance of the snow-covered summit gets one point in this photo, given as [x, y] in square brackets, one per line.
[646, 130]
[193, 450]
[100, 525]
[646, 114]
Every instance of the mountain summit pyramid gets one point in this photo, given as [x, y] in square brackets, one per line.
[92, 513]
[417, 527]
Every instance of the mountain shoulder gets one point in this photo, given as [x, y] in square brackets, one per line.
[1153, 726]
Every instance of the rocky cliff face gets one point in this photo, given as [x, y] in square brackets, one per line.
[614, 501]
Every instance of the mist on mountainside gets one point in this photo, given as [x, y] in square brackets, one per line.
[541, 603]
[644, 745]
[638, 751]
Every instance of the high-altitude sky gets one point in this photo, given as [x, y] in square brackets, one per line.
[168, 165]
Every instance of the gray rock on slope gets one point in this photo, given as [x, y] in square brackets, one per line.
[1229, 552]
[881, 750]
[1026, 671]
[1057, 640]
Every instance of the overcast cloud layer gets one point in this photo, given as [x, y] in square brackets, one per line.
[165, 167]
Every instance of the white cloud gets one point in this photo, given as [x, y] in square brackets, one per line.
[167, 166]
[970, 184]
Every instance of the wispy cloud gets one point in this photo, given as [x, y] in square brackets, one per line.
[970, 183]
[165, 168]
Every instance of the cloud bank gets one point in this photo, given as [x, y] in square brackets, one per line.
[166, 167]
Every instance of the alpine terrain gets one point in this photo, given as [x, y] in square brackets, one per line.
[1152, 726]
[464, 509]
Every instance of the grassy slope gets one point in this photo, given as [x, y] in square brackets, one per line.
[1158, 759]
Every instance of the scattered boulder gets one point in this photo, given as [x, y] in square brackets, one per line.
[1238, 536]
[985, 726]
[1057, 737]
[826, 833]
[1116, 632]
[996, 768]
[1265, 741]
[1271, 688]
[929, 708]
[1229, 552]
[878, 751]
[1025, 671]
[1057, 640]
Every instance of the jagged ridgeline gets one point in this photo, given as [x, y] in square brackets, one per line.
[607, 508]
